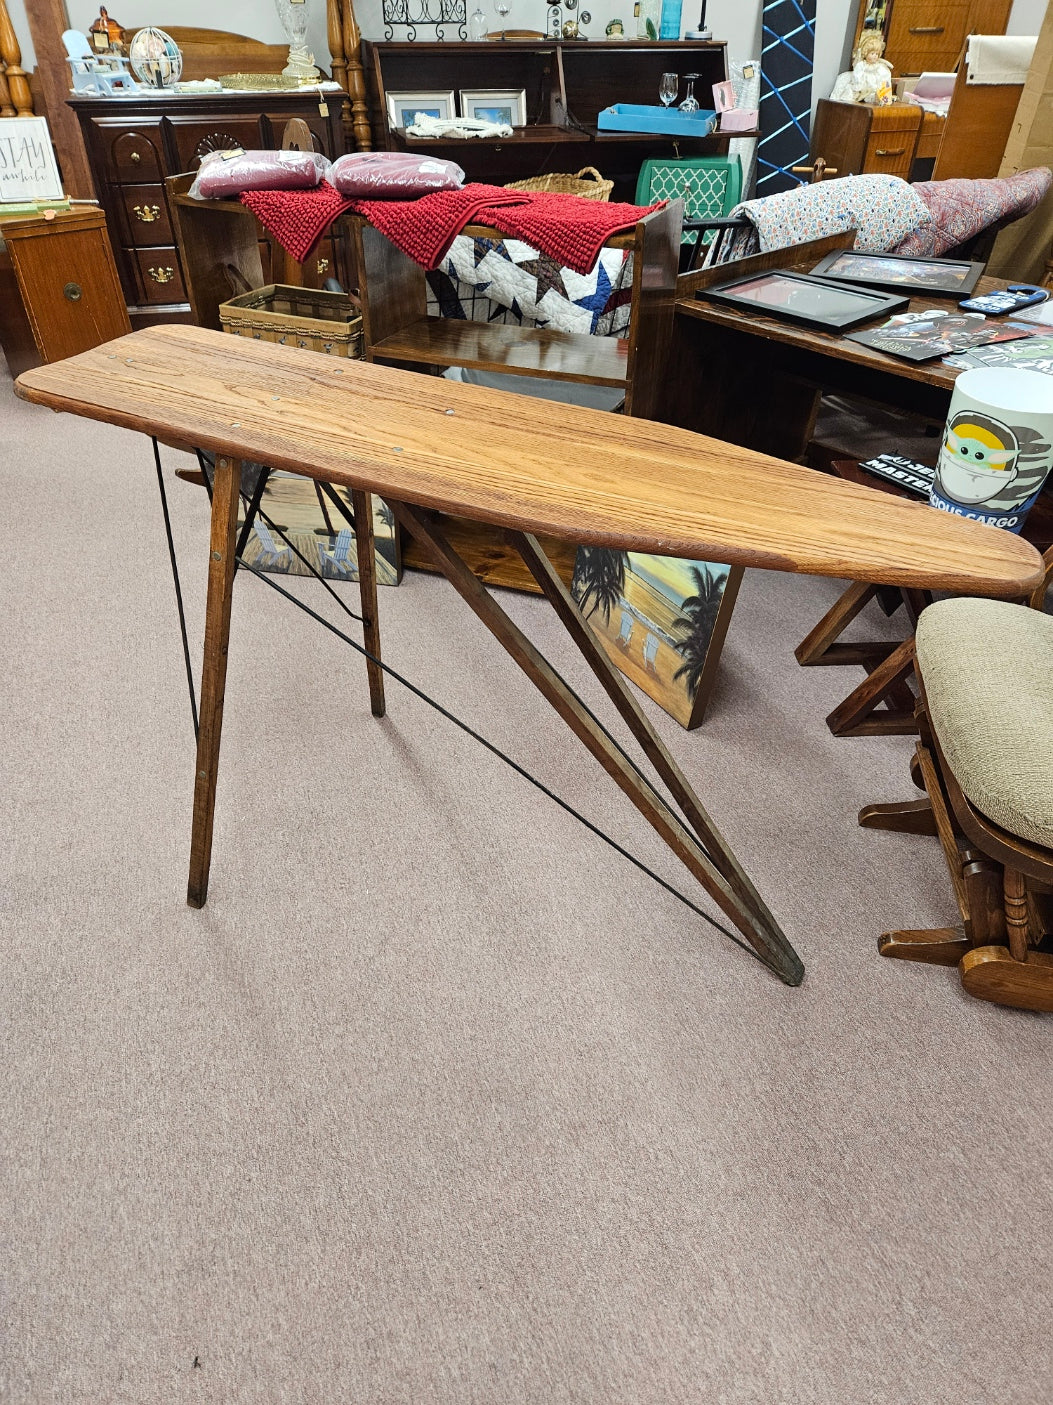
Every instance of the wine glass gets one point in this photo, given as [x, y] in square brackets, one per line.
[503, 8]
[690, 103]
[668, 88]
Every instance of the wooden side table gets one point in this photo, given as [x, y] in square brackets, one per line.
[863, 140]
[59, 292]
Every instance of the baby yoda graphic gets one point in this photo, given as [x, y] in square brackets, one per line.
[985, 461]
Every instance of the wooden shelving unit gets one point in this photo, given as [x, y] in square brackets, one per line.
[521, 351]
[567, 85]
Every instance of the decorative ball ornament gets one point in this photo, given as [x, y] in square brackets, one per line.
[155, 58]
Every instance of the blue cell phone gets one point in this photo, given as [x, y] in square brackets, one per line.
[1016, 296]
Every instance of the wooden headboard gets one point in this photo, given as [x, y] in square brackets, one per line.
[209, 52]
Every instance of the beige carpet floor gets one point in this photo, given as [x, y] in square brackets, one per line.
[438, 1100]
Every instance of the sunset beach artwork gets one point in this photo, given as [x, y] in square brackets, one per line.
[661, 620]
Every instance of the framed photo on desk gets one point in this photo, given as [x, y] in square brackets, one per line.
[805, 299]
[902, 272]
[403, 107]
[504, 106]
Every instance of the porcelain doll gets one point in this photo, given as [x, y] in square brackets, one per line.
[870, 80]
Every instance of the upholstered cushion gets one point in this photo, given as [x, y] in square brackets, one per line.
[988, 674]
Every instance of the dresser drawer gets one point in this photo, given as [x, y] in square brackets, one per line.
[160, 275]
[146, 215]
[132, 154]
[925, 37]
[897, 117]
[890, 153]
[195, 138]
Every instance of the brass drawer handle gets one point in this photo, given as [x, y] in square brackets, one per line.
[135, 158]
[147, 213]
[926, 29]
[881, 151]
[162, 275]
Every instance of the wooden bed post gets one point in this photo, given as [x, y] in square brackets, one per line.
[345, 44]
[15, 98]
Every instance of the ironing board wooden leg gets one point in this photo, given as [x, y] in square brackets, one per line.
[214, 669]
[367, 586]
[620, 694]
[763, 935]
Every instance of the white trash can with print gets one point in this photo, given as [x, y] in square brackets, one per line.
[997, 446]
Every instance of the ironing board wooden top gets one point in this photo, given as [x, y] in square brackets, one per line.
[581, 475]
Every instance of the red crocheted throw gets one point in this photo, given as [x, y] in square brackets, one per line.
[567, 228]
[425, 228]
[297, 218]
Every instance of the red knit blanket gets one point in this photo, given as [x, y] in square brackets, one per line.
[426, 227]
[297, 218]
[567, 228]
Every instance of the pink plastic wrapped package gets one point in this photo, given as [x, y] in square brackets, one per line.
[393, 175]
[228, 173]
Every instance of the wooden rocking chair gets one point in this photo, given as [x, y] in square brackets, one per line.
[985, 760]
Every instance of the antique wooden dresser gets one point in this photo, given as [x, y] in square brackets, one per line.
[134, 143]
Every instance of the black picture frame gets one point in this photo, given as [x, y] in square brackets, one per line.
[866, 303]
[901, 273]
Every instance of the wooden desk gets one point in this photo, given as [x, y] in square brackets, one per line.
[577, 474]
[721, 356]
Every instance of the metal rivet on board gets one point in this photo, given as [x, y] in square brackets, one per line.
[396, 448]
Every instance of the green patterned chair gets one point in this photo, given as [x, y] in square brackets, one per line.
[711, 186]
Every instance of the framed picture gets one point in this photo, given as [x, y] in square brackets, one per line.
[660, 620]
[28, 170]
[319, 533]
[901, 272]
[501, 105]
[403, 107]
[803, 298]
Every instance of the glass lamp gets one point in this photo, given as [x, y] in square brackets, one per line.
[293, 16]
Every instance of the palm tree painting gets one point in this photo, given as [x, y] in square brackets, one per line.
[599, 579]
[697, 621]
[320, 533]
[661, 620]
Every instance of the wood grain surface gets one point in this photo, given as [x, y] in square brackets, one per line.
[580, 475]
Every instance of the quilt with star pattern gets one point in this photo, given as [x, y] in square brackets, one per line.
[504, 280]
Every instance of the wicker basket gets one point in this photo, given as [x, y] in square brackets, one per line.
[307, 317]
[594, 188]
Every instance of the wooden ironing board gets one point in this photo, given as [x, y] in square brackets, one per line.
[576, 474]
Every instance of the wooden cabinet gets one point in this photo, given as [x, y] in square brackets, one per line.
[566, 87]
[927, 36]
[59, 293]
[856, 139]
[134, 144]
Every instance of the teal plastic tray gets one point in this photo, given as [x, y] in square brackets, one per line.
[629, 117]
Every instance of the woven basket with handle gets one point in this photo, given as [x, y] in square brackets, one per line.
[587, 183]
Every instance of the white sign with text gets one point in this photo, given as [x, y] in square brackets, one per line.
[28, 170]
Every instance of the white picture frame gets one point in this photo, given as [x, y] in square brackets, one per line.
[401, 107]
[487, 105]
[28, 169]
